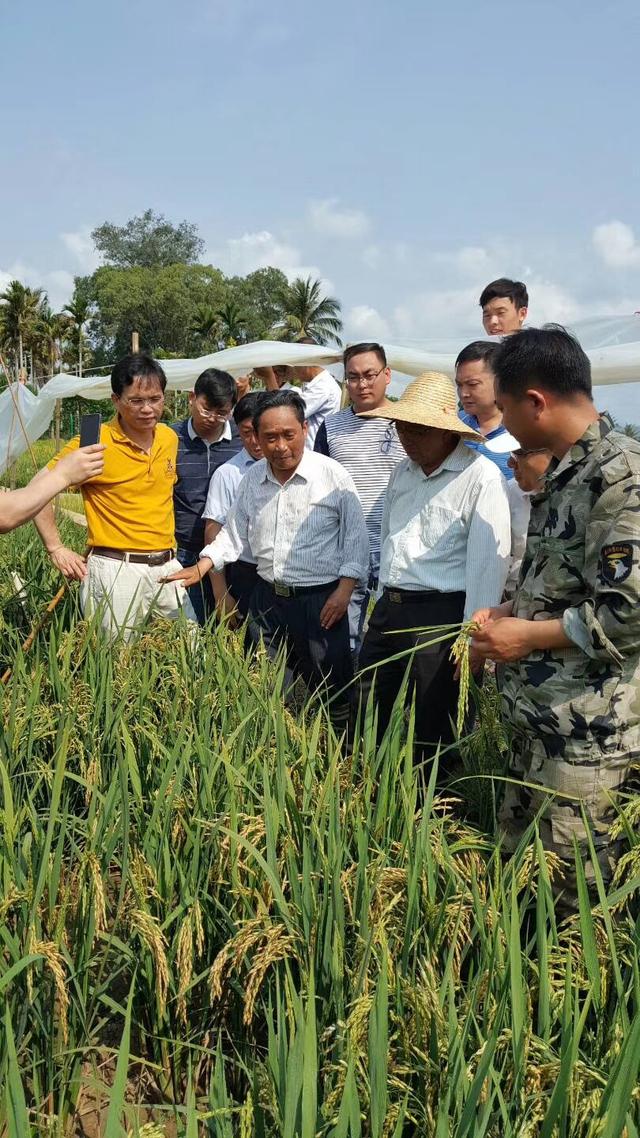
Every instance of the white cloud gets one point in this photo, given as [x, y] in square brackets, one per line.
[551, 303]
[363, 322]
[616, 244]
[82, 248]
[331, 221]
[438, 314]
[57, 283]
[470, 261]
[371, 257]
[242, 255]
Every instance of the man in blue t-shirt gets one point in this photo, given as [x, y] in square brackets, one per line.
[475, 382]
[206, 440]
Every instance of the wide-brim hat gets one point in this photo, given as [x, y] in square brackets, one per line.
[428, 401]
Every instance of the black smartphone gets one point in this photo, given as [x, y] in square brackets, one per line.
[90, 429]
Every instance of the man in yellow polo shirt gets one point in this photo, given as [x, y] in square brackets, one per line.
[129, 508]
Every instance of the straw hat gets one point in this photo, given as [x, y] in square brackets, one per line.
[428, 401]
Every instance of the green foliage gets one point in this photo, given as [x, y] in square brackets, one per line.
[309, 314]
[158, 303]
[23, 469]
[209, 908]
[148, 241]
[259, 296]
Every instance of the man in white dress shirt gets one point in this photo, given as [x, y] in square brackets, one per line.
[233, 587]
[445, 541]
[299, 515]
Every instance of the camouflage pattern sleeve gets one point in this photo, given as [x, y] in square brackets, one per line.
[606, 625]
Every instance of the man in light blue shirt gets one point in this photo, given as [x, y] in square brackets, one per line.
[475, 382]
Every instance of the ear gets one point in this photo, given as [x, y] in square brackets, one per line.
[114, 399]
[387, 376]
[522, 314]
[538, 400]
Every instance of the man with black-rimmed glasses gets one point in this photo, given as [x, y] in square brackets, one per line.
[370, 450]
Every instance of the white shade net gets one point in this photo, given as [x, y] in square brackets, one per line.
[611, 342]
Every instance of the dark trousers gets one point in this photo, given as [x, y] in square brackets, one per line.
[321, 656]
[200, 595]
[241, 579]
[430, 667]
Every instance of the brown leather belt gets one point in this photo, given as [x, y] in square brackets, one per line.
[159, 558]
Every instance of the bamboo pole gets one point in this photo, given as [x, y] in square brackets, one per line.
[38, 627]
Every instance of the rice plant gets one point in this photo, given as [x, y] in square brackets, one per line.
[216, 919]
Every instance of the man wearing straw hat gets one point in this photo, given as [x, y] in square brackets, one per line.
[445, 542]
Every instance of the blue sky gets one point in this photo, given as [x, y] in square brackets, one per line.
[406, 153]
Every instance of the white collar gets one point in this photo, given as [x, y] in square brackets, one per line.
[193, 434]
[302, 470]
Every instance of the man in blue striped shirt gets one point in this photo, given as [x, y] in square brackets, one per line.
[206, 440]
[370, 450]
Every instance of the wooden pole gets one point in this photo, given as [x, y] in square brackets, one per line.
[53, 604]
[135, 342]
[57, 423]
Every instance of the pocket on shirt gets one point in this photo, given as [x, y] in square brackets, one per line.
[441, 529]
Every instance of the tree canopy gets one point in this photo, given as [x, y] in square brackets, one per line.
[149, 241]
[152, 283]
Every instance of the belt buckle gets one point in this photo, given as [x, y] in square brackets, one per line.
[281, 590]
[156, 559]
[394, 596]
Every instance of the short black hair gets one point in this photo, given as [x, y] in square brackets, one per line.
[217, 387]
[513, 290]
[478, 350]
[360, 349]
[137, 365]
[245, 408]
[548, 357]
[268, 400]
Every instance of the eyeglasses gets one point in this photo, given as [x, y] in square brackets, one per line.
[520, 452]
[220, 416]
[368, 377]
[138, 404]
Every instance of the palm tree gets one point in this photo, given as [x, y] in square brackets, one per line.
[632, 431]
[309, 314]
[19, 311]
[204, 323]
[77, 312]
[233, 324]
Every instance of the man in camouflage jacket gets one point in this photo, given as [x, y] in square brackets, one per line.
[569, 642]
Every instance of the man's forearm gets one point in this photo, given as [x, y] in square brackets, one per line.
[545, 634]
[19, 506]
[45, 524]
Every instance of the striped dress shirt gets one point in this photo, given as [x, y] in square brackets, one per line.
[309, 531]
[370, 450]
[449, 530]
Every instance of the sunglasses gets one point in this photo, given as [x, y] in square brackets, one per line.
[520, 452]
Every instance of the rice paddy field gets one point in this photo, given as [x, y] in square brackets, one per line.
[216, 921]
